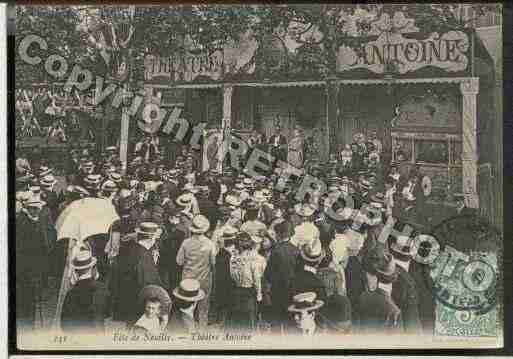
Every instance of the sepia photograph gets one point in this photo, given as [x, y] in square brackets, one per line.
[258, 177]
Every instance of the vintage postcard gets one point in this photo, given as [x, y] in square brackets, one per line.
[258, 177]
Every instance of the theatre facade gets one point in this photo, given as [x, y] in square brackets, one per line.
[430, 97]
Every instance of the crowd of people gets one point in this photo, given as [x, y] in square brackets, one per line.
[194, 249]
[56, 115]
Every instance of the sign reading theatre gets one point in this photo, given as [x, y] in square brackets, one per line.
[446, 51]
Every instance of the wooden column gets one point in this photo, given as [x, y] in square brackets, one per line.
[469, 89]
[123, 140]
[332, 113]
[226, 121]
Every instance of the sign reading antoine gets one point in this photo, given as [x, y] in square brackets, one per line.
[447, 51]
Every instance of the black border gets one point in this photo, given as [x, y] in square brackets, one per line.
[508, 217]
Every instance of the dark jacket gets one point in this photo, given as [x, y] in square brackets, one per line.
[280, 272]
[404, 294]
[223, 281]
[136, 269]
[421, 274]
[180, 324]
[169, 249]
[32, 248]
[84, 307]
[355, 284]
[378, 314]
[306, 281]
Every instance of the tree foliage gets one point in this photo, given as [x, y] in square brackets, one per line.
[317, 29]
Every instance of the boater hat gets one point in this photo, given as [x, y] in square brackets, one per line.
[34, 202]
[189, 290]
[148, 229]
[305, 302]
[184, 199]
[109, 186]
[200, 224]
[401, 247]
[312, 252]
[229, 232]
[83, 260]
[47, 181]
[115, 177]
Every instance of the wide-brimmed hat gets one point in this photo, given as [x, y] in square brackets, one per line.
[109, 186]
[155, 291]
[83, 260]
[239, 187]
[400, 247]
[304, 209]
[377, 197]
[44, 171]
[115, 177]
[229, 232]
[304, 302]
[34, 202]
[312, 252]
[148, 229]
[47, 181]
[184, 200]
[200, 224]
[189, 290]
[232, 200]
[93, 180]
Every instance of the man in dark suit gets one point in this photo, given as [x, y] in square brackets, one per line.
[278, 145]
[84, 306]
[187, 295]
[404, 289]
[32, 251]
[280, 271]
[306, 279]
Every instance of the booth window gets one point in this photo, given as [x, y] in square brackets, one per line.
[429, 151]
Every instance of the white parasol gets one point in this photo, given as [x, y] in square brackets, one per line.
[81, 219]
[86, 217]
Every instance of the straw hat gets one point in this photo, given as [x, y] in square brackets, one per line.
[109, 186]
[305, 302]
[189, 290]
[184, 200]
[34, 202]
[92, 180]
[232, 200]
[200, 224]
[115, 177]
[312, 252]
[401, 247]
[148, 229]
[83, 260]
[47, 181]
